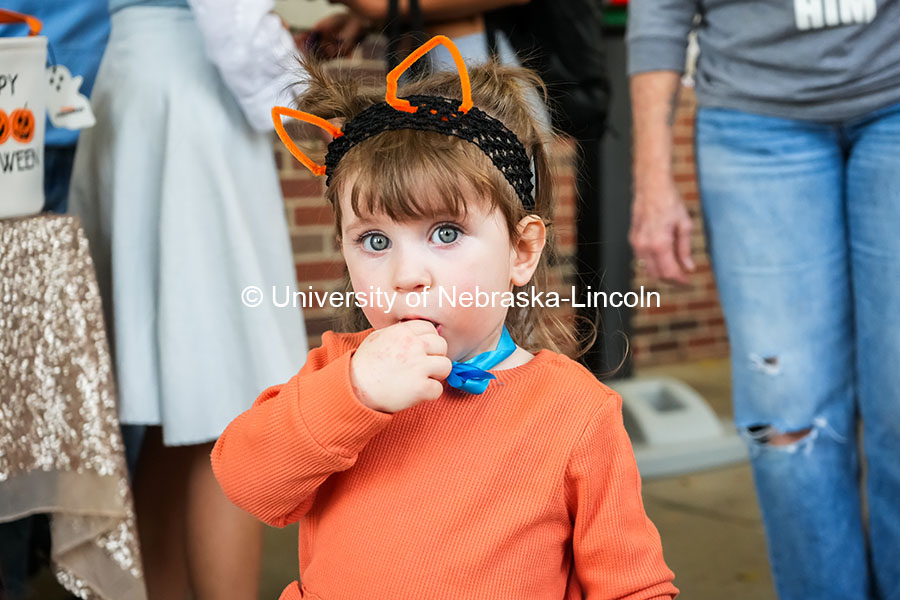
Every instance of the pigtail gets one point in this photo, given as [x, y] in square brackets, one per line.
[332, 92]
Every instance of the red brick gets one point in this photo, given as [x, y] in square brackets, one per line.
[314, 215]
[702, 304]
[683, 325]
[663, 346]
[307, 243]
[666, 306]
[301, 188]
[319, 271]
[645, 330]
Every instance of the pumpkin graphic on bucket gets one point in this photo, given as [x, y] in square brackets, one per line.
[4, 126]
[22, 125]
[23, 101]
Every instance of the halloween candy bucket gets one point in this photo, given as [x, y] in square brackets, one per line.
[23, 92]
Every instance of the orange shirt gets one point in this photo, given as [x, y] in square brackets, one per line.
[527, 491]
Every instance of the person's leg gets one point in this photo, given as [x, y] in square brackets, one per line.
[192, 537]
[873, 208]
[159, 497]
[772, 195]
[224, 543]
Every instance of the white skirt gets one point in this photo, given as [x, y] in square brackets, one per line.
[181, 203]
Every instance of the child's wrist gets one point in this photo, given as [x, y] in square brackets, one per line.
[361, 395]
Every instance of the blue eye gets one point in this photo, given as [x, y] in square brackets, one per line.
[445, 234]
[375, 242]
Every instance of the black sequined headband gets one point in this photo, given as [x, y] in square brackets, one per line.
[424, 113]
[442, 115]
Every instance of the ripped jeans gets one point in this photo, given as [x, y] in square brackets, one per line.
[803, 226]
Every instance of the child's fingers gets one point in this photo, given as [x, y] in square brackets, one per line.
[435, 345]
[418, 326]
[432, 389]
[438, 367]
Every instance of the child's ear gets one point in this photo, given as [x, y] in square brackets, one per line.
[527, 250]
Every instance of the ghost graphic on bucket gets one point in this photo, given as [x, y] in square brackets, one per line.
[66, 107]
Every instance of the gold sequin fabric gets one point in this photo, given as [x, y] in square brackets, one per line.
[61, 450]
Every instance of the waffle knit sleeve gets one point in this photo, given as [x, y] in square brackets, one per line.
[617, 550]
[271, 459]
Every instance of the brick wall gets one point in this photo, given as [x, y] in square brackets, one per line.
[688, 325]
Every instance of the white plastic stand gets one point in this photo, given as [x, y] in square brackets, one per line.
[673, 430]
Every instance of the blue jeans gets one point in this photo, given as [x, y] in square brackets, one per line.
[803, 226]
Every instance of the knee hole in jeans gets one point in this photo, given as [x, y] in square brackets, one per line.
[762, 436]
[767, 364]
[766, 434]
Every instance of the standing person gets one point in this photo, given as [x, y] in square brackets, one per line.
[797, 145]
[179, 196]
[463, 22]
[523, 487]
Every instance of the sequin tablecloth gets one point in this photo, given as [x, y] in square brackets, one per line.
[61, 451]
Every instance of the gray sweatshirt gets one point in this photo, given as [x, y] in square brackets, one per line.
[823, 60]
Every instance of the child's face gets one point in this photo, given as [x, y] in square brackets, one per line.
[421, 256]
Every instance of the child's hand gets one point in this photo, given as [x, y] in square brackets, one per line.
[399, 366]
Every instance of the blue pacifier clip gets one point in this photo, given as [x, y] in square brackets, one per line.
[472, 375]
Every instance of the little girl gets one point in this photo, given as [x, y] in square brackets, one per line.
[415, 473]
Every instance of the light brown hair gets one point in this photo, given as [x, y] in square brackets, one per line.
[384, 173]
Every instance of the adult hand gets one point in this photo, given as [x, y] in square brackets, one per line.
[661, 231]
[399, 366]
[371, 9]
[336, 35]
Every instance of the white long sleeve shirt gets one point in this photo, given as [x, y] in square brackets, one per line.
[254, 53]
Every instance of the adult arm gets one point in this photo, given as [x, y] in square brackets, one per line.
[271, 459]
[657, 46]
[660, 224]
[432, 10]
[254, 53]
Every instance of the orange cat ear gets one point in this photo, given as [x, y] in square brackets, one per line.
[282, 111]
[391, 96]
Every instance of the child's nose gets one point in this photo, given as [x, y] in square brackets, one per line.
[411, 272]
